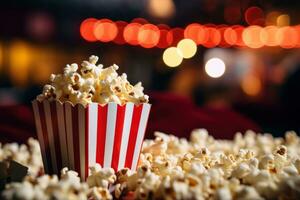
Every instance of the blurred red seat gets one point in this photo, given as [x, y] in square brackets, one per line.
[170, 113]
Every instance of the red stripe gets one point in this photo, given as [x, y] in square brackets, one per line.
[136, 116]
[86, 141]
[54, 120]
[75, 142]
[118, 136]
[45, 137]
[101, 132]
[143, 138]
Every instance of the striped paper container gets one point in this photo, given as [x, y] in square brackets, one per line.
[78, 137]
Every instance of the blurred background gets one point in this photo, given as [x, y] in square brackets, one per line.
[233, 59]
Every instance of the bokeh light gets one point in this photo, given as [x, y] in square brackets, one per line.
[20, 57]
[271, 18]
[148, 36]
[254, 16]
[188, 48]
[268, 36]
[196, 32]
[251, 85]
[161, 8]
[172, 57]
[215, 67]
[165, 39]
[283, 20]
[177, 34]
[232, 14]
[131, 32]
[230, 36]
[105, 30]
[119, 39]
[252, 36]
[214, 37]
[87, 29]
[287, 37]
[140, 20]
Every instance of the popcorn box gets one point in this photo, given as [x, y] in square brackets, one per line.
[77, 137]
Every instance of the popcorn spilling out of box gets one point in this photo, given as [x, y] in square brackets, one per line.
[251, 166]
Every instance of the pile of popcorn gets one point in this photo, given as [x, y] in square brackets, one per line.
[249, 167]
[92, 83]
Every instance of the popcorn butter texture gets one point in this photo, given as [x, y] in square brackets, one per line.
[252, 166]
[92, 83]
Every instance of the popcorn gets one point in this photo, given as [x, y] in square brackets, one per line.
[101, 177]
[248, 167]
[92, 83]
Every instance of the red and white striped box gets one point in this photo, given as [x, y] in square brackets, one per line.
[77, 137]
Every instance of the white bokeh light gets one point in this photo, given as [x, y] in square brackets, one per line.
[215, 67]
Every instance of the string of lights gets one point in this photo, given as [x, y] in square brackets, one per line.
[140, 32]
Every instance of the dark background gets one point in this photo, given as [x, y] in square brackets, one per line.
[38, 38]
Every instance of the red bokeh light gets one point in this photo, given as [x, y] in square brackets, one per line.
[105, 30]
[165, 39]
[131, 32]
[222, 28]
[139, 20]
[119, 38]
[214, 37]
[148, 36]
[232, 14]
[87, 29]
[255, 16]
[176, 34]
[239, 32]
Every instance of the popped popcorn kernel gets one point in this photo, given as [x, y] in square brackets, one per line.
[92, 83]
[252, 166]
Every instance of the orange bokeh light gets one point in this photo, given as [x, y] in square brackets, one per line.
[105, 30]
[230, 36]
[148, 36]
[87, 29]
[297, 29]
[268, 36]
[251, 85]
[131, 32]
[251, 37]
[196, 32]
[255, 16]
[287, 37]
[214, 37]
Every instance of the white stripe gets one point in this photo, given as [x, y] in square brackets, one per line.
[110, 133]
[51, 138]
[62, 134]
[70, 143]
[81, 127]
[140, 134]
[40, 133]
[92, 135]
[125, 134]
